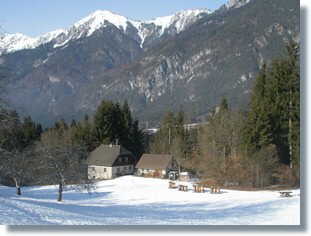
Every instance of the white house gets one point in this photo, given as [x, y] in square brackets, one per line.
[109, 161]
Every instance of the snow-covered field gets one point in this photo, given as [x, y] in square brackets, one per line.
[131, 200]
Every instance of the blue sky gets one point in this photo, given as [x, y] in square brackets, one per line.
[36, 17]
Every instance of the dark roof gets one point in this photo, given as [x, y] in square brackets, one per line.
[106, 155]
[154, 161]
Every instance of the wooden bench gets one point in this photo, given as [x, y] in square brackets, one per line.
[172, 185]
[182, 187]
[215, 190]
[198, 188]
[285, 194]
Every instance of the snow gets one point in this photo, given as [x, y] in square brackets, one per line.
[98, 18]
[15, 42]
[132, 200]
[179, 18]
[236, 3]
[88, 25]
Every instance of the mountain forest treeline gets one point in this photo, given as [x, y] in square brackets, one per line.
[257, 148]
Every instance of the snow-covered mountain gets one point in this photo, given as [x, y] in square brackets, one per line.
[88, 25]
[191, 58]
[14, 42]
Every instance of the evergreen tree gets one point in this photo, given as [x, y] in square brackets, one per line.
[126, 134]
[30, 131]
[294, 104]
[137, 147]
[73, 124]
[283, 97]
[39, 130]
[104, 123]
[258, 132]
[113, 124]
[274, 111]
[11, 135]
[224, 106]
[84, 134]
[118, 126]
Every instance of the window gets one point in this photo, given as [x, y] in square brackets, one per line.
[105, 169]
[126, 159]
[130, 168]
[124, 168]
[118, 170]
[92, 168]
[120, 159]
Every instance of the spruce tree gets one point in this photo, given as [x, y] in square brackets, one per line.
[258, 132]
[284, 102]
[127, 128]
[104, 123]
[30, 131]
[113, 124]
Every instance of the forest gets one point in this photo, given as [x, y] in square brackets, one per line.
[258, 148]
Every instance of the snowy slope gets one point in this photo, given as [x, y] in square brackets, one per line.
[133, 200]
[236, 3]
[88, 25]
[15, 42]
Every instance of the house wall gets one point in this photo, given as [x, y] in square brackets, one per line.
[157, 173]
[122, 170]
[152, 173]
[99, 172]
[107, 172]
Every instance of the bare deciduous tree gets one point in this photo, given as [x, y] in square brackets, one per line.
[62, 162]
[18, 165]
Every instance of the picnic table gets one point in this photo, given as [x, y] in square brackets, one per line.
[198, 188]
[171, 184]
[285, 194]
[215, 190]
[182, 187]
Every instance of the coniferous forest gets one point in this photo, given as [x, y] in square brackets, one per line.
[256, 148]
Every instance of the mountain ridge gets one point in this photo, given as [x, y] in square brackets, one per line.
[217, 55]
[85, 27]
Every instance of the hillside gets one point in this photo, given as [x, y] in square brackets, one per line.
[133, 200]
[193, 59]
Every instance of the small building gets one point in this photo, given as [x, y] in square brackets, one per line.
[109, 161]
[154, 165]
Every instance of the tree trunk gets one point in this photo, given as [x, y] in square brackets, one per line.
[18, 190]
[60, 191]
[290, 136]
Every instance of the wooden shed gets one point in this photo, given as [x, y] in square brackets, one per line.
[154, 165]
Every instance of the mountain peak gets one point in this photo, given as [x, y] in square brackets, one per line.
[98, 19]
[180, 15]
[14, 42]
[101, 18]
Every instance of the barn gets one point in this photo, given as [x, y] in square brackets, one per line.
[109, 161]
[154, 165]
